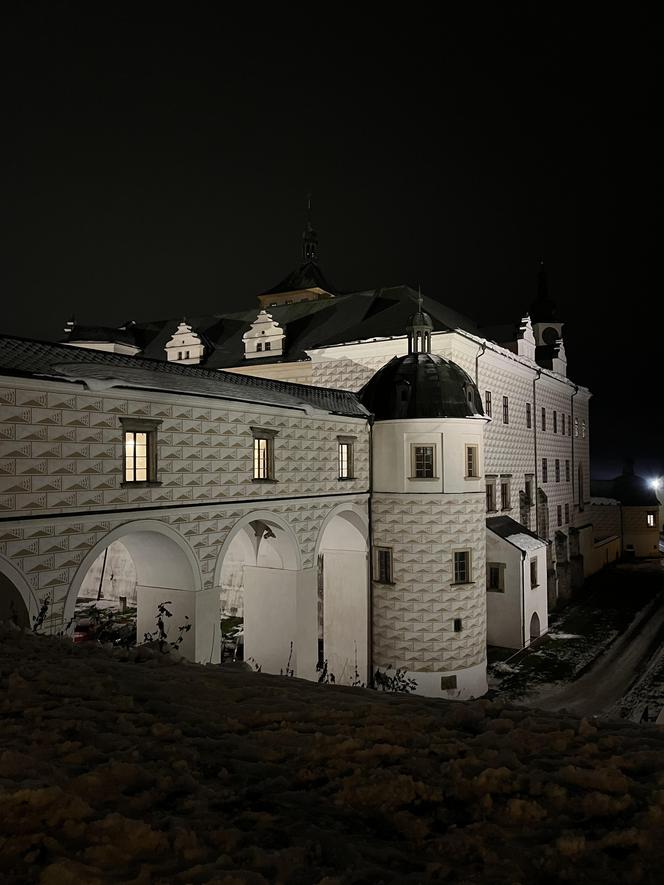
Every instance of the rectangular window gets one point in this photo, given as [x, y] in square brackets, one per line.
[505, 495]
[384, 565]
[530, 497]
[506, 410]
[559, 514]
[566, 514]
[268, 345]
[543, 418]
[448, 683]
[533, 573]
[139, 450]
[568, 472]
[423, 462]
[651, 520]
[458, 625]
[345, 457]
[495, 577]
[583, 429]
[557, 467]
[263, 459]
[569, 425]
[545, 470]
[529, 415]
[576, 427]
[491, 497]
[487, 403]
[462, 567]
[555, 422]
[472, 465]
[259, 347]
[563, 424]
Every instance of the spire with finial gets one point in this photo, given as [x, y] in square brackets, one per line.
[419, 328]
[309, 238]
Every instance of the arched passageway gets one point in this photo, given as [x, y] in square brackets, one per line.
[259, 581]
[343, 596]
[534, 627]
[152, 563]
[17, 602]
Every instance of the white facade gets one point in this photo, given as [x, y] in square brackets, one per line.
[264, 337]
[185, 346]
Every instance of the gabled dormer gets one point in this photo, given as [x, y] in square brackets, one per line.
[185, 346]
[265, 338]
[525, 338]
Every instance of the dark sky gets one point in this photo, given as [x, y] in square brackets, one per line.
[157, 164]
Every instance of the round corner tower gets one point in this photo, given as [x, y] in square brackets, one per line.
[428, 520]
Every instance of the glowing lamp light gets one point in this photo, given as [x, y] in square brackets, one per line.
[656, 483]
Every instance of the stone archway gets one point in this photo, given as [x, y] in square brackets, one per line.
[259, 581]
[535, 629]
[166, 571]
[343, 594]
[18, 603]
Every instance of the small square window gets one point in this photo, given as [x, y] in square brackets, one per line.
[448, 683]
[423, 462]
[458, 625]
[259, 347]
[268, 345]
[384, 565]
[462, 567]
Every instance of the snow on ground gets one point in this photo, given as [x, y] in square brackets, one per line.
[127, 766]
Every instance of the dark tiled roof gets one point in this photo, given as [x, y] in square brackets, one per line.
[505, 527]
[375, 313]
[25, 357]
[308, 276]
[120, 335]
[628, 488]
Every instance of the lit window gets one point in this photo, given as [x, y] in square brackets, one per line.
[529, 415]
[495, 577]
[384, 565]
[263, 455]
[545, 470]
[139, 450]
[458, 625]
[555, 422]
[533, 573]
[472, 466]
[423, 461]
[506, 410]
[462, 567]
[583, 429]
[543, 418]
[491, 497]
[576, 427]
[557, 467]
[487, 403]
[345, 453]
[651, 520]
[505, 495]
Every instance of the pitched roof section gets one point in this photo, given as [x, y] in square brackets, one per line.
[511, 530]
[99, 370]
[375, 313]
[307, 276]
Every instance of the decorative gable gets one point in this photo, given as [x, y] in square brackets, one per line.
[185, 346]
[525, 340]
[265, 337]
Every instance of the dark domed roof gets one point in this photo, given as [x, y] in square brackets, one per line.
[420, 319]
[421, 385]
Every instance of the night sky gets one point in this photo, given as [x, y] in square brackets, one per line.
[157, 164]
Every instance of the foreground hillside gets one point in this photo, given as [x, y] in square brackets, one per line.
[113, 770]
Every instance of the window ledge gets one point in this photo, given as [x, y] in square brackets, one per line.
[264, 479]
[384, 583]
[505, 509]
[494, 590]
[423, 478]
[140, 484]
[346, 478]
[492, 510]
[461, 583]
[473, 477]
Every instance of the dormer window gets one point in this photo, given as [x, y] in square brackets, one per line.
[185, 345]
[259, 346]
[264, 334]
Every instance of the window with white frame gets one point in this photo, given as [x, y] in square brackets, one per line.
[652, 520]
[345, 457]
[423, 461]
[533, 573]
[263, 453]
[495, 577]
[491, 496]
[505, 493]
[462, 567]
[472, 462]
[139, 450]
[384, 573]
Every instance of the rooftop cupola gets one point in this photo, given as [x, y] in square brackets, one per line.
[419, 330]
